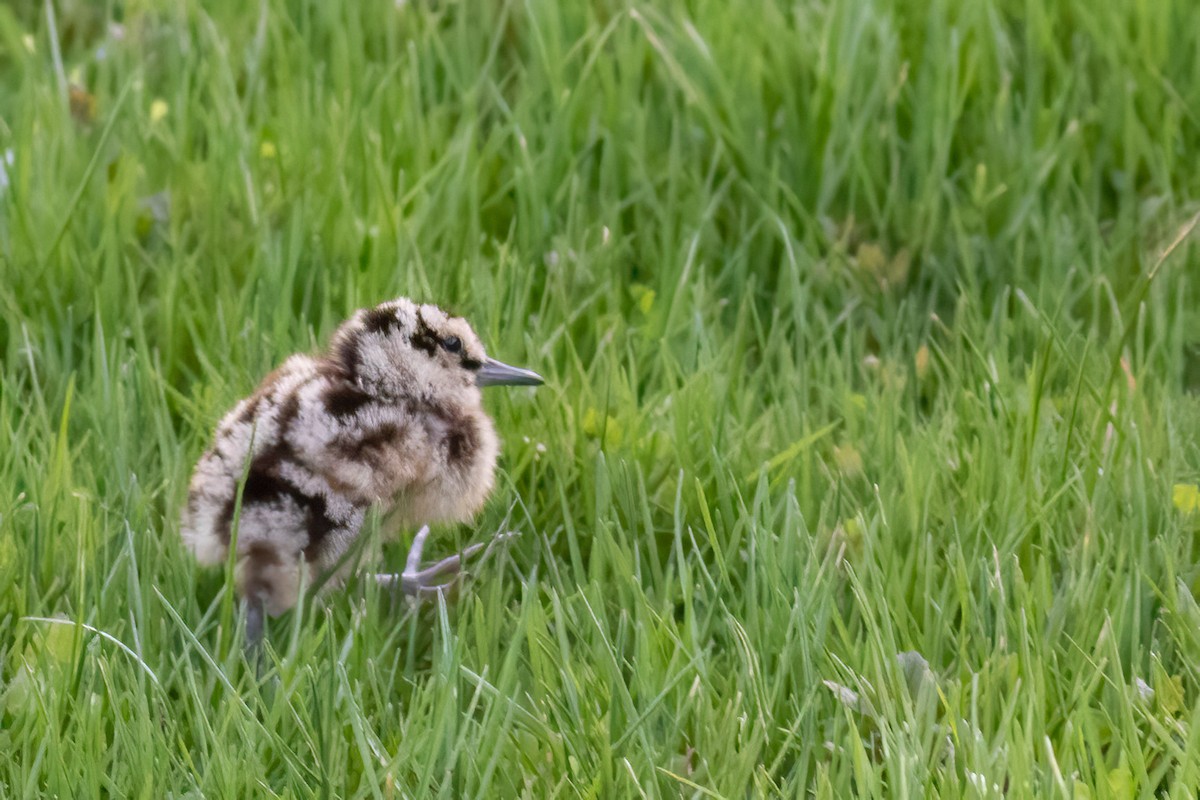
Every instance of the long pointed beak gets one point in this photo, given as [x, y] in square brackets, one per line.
[496, 373]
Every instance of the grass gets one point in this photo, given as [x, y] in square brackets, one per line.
[865, 462]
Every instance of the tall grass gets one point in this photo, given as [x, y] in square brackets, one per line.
[866, 460]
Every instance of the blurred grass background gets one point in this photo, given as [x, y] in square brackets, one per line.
[867, 460]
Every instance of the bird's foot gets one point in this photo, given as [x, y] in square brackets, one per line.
[420, 584]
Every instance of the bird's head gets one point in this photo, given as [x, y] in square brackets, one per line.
[403, 349]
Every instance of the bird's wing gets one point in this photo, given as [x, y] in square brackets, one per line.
[251, 428]
[365, 449]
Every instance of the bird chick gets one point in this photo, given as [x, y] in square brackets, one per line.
[390, 416]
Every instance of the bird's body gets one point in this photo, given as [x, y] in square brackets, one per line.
[390, 416]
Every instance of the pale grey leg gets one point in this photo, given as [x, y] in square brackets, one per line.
[254, 628]
[423, 583]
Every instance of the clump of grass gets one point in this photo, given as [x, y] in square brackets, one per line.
[867, 458]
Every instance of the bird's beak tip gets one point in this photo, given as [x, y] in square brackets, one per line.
[497, 373]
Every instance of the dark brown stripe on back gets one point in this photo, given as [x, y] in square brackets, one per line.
[251, 408]
[346, 356]
[319, 525]
[225, 521]
[381, 320]
[288, 412]
[343, 400]
[263, 488]
[366, 448]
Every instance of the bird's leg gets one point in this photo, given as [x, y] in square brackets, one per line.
[422, 583]
[254, 628]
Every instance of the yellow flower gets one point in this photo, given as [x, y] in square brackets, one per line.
[158, 110]
[644, 297]
[1186, 497]
[921, 361]
[267, 150]
[596, 425]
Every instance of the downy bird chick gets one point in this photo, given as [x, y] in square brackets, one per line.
[390, 415]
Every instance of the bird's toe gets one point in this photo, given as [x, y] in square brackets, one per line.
[439, 578]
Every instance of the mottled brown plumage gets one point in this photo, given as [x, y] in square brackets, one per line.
[390, 415]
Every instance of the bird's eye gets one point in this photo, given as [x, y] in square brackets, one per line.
[452, 344]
